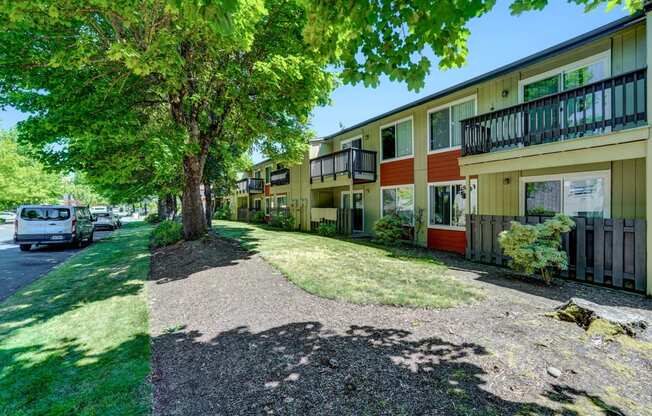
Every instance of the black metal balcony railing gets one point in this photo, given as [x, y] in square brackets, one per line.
[612, 104]
[250, 185]
[356, 163]
[280, 177]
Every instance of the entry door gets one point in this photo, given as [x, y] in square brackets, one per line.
[358, 208]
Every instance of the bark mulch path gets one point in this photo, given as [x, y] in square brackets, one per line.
[231, 336]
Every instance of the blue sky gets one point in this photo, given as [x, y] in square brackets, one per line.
[497, 38]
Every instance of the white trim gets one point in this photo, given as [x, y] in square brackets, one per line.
[355, 191]
[467, 201]
[380, 139]
[473, 97]
[414, 202]
[562, 177]
[350, 140]
[602, 56]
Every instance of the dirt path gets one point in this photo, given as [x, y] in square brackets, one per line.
[231, 336]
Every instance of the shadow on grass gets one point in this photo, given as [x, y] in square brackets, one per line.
[64, 378]
[106, 269]
[299, 369]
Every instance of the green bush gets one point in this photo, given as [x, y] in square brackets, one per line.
[2, 220]
[326, 230]
[389, 229]
[285, 222]
[166, 233]
[222, 213]
[152, 218]
[258, 217]
[537, 247]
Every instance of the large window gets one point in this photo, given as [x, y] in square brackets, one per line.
[268, 171]
[257, 204]
[399, 200]
[257, 174]
[445, 130]
[578, 194]
[396, 140]
[355, 143]
[447, 203]
[268, 205]
[282, 201]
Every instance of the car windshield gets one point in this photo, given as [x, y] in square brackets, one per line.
[45, 214]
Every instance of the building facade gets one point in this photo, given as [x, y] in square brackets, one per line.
[564, 130]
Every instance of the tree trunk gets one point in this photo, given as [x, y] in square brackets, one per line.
[192, 211]
[208, 198]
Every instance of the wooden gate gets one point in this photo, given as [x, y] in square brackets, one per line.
[609, 252]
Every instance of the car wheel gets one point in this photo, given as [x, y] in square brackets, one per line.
[25, 247]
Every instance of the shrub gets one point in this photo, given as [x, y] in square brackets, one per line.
[222, 213]
[2, 220]
[285, 222]
[166, 233]
[389, 229]
[537, 247]
[258, 217]
[326, 230]
[152, 218]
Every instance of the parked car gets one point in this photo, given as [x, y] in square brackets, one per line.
[6, 216]
[53, 224]
[106, 221]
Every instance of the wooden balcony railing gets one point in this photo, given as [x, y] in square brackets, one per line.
[250, 185]
[612, 104]
[358, 164]
[280, 177]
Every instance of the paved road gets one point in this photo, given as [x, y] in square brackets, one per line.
[18, 269]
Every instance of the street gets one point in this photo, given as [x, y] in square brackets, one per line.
[18, 269]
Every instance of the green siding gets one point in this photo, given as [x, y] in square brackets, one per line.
[498, 192]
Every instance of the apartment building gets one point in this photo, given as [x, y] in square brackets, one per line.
[564, 130]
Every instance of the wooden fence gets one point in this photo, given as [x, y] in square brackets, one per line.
[342, 220]
[609, 252]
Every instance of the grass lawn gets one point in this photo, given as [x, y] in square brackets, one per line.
[76, 341]
[354, 271]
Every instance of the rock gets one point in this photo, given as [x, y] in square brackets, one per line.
[330, 362]
[348, 384]
[584, 312]
[555, 372]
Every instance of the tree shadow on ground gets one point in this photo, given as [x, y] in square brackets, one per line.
[186, 258]
[64, 378]
[300, 369]
[77, 283]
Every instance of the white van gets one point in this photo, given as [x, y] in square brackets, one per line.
[52, 224]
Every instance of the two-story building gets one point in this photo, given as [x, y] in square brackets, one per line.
[564, 130]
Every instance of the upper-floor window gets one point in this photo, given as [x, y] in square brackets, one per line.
[444, 129]
[268, 171]
[257, 174]
[355, 143]
[396, 140]
[577, 74]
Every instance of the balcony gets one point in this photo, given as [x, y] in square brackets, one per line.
[280, 177]
[613, 104]
[250, 186]
[357, 164]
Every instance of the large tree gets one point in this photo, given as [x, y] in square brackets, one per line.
[248, 71]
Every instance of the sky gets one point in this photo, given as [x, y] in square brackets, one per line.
[497, 38]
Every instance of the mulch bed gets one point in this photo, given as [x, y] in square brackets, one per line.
[232, 336]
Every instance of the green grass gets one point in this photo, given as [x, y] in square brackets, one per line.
[76, 341]
[353, 271]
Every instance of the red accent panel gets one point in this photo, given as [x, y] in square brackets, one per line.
[443, 166]
[398, 172]
[447, 240]
[268, 190]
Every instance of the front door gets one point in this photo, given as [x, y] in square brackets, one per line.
[357, 211]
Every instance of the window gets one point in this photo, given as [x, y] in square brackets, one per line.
[355, 143]
[578, 73]
[579, 194]
[45, 214]
[396, 140]
[257, 174]
[447, 203]
[399, 200]
[444, 126]
[268, 171]
[257, 204]
[282, 201]
[268, 206]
